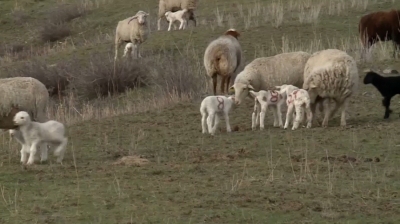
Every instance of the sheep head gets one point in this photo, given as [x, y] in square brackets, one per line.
[369, 77]
[241, 91]
[233, 33]
[21, 118]
[141, 17]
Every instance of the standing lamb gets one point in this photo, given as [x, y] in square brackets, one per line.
[331, 74]
[133, 30]
[182, 16]
[128, 50]
[266, 72]
[299, 100]
[18, 136]
[223, 57]
[176, 5]
[35, 134]
[215, 106]
[263, 99]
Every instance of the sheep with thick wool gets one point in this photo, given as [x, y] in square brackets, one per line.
[331, 75]
[182, 16]
[223, 57]
[215, 107]
[133, 30]
[176, 5]
[264, 99]
[35, 134]
[297, 100]
[266, 72]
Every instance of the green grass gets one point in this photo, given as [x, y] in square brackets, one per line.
[270, 176]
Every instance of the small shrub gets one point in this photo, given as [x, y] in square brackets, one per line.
[18, 16]
[50, 32]
[98, 80]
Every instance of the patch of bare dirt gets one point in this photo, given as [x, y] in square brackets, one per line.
[131, 161]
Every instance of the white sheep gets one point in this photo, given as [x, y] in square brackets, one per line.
[223, 57]
[18, 136]
[176, 5]
[128, 50]
[331, 75]
[266, 72]
[264, 99]
[133, 30]
[35, 134]
[181, 16]
[215, 106]
[299, 100]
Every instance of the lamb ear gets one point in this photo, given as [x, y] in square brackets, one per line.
[250, 87]
[252, 93]
[232, 89]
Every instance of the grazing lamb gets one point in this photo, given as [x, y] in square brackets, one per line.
[299, 100]
[380, 26]
[35, 134]
[133, 30]
[263, 99]
[223, 57]
[331, 75]
[176, 5]
[180, 16]
[267, 72]
[215, 106]
[387, 86]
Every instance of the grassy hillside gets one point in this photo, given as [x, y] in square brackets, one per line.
[321, 175]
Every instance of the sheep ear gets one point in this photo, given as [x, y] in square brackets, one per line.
[250, 87]
[134, 17]
[252, 93]
[231, 89]
[312, 86]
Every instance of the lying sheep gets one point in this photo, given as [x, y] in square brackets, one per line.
[299, 100]
[263, 99]
[331, 75]
[133, 30]
[223, 57]
[35, 134]
[267, 72]
[181, 16]
[215, 106]
[176, 5]
[387, 86]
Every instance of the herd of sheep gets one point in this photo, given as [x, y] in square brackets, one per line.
[295, 82]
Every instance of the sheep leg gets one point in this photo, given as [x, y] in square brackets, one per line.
[60, 150]
[262, 117]
[279, 111]
[228, 80]
[118, 43]
[169, 26]
[43, 150]
[289, 114]
[215, 84]
[275, 113]
[228, 126]
[344, 109]
[254, 117]
[327, 111]
[24, 153]
[181, 25]
[216, 122]
[159, 23]
[223, 78]
[204, 122]
[210, 120]
[309, 115]
[32, 153]
[386, 104]
[299, 117]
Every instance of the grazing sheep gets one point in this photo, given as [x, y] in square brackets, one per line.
[223, 57]
[299, 100]
[267, 72]
[387, 86]
[128, 50]
[380, 26]
[263, 99]
[215, 106]
[133, 30]
[176, 5]
[180, 16]
[331, 75]
[35, 133]
[18, 136]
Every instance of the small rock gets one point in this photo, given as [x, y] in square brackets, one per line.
[236, 128]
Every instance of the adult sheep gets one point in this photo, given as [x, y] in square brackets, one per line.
[176, 5]
[223, 57]
[133, 30]
[331, 75]
[380, 26]
[267, 72]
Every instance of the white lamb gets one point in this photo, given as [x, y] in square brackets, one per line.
[18, 136]
[35, 133]
[182, 16]
[128, 50]
[263, 99]
[299, 100]
[215, 106]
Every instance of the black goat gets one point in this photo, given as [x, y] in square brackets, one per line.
[387, 86]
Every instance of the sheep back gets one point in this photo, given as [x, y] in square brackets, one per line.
[22, 93]
[333, 72]
[175, 5]
[132, 31]
[266, 72]
[223, 56]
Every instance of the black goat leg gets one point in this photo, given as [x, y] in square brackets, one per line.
[386, 104]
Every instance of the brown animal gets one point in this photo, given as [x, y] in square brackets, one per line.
[223, 57]
[380, 26]
[6, 121]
